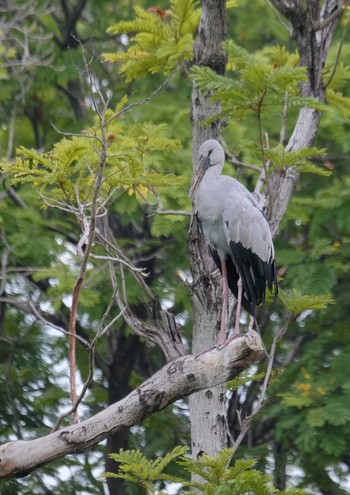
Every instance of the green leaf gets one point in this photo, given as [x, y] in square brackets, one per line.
[162, 40]
[296, 303]
[243, 378]
[297, 158]
[315, 417]
[340, 102]
[299, 401]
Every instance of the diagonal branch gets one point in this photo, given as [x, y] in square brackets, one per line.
[177, 379]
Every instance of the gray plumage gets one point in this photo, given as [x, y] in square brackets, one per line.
[235, 228]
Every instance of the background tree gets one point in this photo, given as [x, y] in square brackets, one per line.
[45, 80]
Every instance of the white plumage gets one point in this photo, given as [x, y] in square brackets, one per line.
[237, 232]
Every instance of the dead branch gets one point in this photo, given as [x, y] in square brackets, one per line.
[177, 379]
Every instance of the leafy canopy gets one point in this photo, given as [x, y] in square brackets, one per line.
[163, 39]
[219, 477]
[258, 83]
[68, 171]
[296, 303]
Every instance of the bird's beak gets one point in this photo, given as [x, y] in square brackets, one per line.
[196, 181]
[202, 168]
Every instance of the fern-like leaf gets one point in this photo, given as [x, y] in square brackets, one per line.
[160, 43]
[340, 102]
[68, 171]
[296, 303]
[243, 378]
[296, 158]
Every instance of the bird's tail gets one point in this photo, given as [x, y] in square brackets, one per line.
[232, 280]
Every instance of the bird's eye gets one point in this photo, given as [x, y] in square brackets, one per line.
[210, 152]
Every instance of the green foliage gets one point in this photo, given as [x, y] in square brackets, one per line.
[135, 467]
[219, 478]
[163, 39]
[296, 303]
[315, 405]
[299, 159]
[243, 378]
[337, 100]
[307, 412]
[68, 171]
[257, 85]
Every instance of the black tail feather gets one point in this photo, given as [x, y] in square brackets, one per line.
[232, 279]
[255, 273]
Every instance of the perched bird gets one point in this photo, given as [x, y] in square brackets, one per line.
[237, 232]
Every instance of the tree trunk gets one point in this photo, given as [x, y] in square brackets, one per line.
[312, 25]
[209, 427]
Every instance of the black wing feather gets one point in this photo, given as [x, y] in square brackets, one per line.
[254, 272]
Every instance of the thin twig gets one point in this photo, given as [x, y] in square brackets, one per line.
[45, 321]
[72, 341]
[245, 422]
[337, 60]
[232, 159]
[140, 102]
[75, 134]
[284, 119]
[102, 330]
[184, 213]
[84, 250]
[122, 261]
[160, 210]
[263, 177]
[111, 246]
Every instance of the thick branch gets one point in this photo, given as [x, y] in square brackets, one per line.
[313, 27]
[181, 377]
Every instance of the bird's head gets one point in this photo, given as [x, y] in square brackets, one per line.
[210, 154]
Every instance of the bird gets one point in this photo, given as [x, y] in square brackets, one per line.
[238, 235]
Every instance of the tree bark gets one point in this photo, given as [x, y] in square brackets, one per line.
[209, 426]
[312, 25]
[175, 380]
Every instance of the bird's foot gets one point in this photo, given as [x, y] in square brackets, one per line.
[229, 339]
[206, 350]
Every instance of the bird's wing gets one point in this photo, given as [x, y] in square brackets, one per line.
[244, 221]
[249, 237]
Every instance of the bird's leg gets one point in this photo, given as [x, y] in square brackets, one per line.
[239, 305]
[225, 295]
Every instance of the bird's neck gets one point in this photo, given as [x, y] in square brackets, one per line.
[213, 173]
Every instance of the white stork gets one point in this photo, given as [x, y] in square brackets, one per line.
[237, 232]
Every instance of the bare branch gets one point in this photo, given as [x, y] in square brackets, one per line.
[322, 23]
[246, 421]
[232, 159]
[175, 380]
[40, 317]
[184, 213]
[140, 102]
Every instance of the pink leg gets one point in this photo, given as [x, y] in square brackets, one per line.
[225, 295]
[239, 305]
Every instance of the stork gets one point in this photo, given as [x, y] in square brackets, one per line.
[238, 235]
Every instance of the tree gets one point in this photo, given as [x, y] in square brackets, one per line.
[212, 101]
